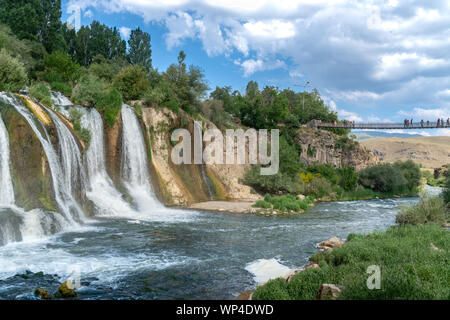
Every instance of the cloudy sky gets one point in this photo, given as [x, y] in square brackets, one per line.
[374, 60]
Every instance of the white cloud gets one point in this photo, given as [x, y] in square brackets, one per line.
[125, 32]
[379, 51]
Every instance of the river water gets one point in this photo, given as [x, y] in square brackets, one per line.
[182, 254]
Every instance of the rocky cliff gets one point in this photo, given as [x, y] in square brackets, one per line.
[324, 147]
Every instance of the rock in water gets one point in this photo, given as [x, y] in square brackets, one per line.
[41, 293]
[329, 292]
[66, 290]
[331, 243]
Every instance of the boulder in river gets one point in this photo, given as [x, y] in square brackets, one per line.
[42, 293]
[331, 243]
[66, 290]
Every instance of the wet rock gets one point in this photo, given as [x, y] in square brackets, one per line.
[65, 290]
[329, 292]
[42, 293]
[246, 295]
[331, 243]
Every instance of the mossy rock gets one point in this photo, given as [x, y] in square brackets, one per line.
[30, 171]
[65, 290]
[42, 293]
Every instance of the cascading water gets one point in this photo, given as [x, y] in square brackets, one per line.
[6, 186]
[72, 166]
[101, 191]
[134, 163]
[60, 100]
[66, 202]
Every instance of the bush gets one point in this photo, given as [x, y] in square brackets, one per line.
[411, 172]
[384, 178]
[319, 187]
[283, 203]
[280, 182]
[59, 67]
[348, 178]
[41, 93]
[62, 87]
[326, 171]
[132, 82]
[89, 91]
[426, 211]
[13, 76]
[111, 104]
[84, 134]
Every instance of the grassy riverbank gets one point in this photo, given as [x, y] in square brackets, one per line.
[413, 259]
[410, 269]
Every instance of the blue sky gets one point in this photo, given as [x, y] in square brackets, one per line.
[377, 60]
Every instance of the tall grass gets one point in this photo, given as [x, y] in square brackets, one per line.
[426, 211]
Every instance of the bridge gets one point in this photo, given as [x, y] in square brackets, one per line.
[388, 125]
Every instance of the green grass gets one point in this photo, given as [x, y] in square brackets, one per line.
[40, 92]
[284, 203]
[426, 211]
[409, 268]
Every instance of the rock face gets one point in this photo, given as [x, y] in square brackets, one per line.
[212, 182]
[444, 170]
[30, 170]
[324, 147]
[329, 292]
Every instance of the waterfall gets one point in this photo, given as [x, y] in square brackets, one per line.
[101, 191]
[135, 172]
[6, 187]
[63, 196]
[60, 100]
[72, 167]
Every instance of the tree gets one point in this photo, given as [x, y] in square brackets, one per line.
[132, 82]
[140, 52]
[34, 20]
[12, 73]
[59, 67]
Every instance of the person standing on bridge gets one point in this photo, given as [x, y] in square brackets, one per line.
[448, 122]
[438, 123]
[422, 123]
[411, 123]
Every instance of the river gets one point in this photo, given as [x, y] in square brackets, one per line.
[182, 254]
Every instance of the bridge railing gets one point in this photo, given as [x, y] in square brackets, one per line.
[386, 125]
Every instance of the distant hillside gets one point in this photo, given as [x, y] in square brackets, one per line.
[366, 135]
[431, 152]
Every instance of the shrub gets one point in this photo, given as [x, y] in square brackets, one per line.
[59, 67]
[326, 171]
[426, 211]
[84, 134]
[280, 182]
[319, 187]
[62, 87]
[348, 178]
[13, 76]
[41, 92]
[132, 82]
[89, 91]
[384, 178]
[111, 104]
[411, 172]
